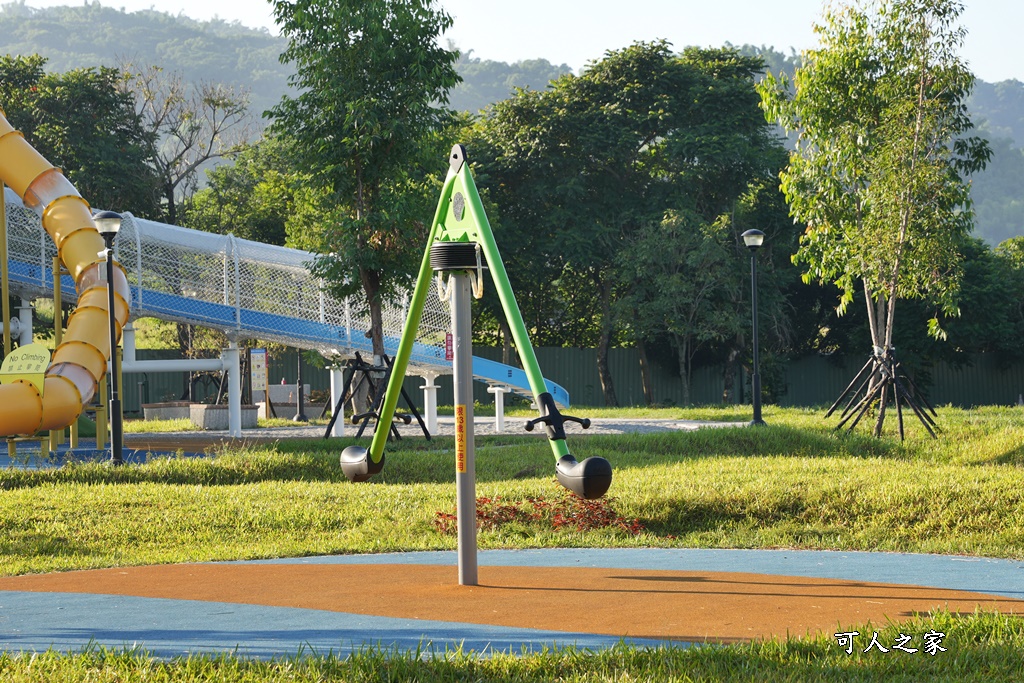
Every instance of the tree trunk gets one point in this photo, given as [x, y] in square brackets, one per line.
[603, 344]
[876, 321]
[645, 372]
[603, 371]
[729, 375]
[362, 400]
[506, 343]
[371, 288]
[171, 209]
[683, 353]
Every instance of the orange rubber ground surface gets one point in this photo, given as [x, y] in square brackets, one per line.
[676, 605]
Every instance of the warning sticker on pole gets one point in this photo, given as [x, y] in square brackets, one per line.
[460, 439]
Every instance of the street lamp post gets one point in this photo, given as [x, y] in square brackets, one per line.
[108, 223]
[754, 239]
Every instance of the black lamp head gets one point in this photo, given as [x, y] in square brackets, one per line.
[107, 223]
[753, 238]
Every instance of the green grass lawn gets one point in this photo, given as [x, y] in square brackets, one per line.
[793, 484]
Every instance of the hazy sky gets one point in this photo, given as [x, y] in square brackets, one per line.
[577, 31]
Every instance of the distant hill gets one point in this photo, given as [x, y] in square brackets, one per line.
[998, 112]
[93, 35]
[999, 109]
[485, 82]
[227, 52]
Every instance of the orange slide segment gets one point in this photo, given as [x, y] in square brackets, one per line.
[81, 359]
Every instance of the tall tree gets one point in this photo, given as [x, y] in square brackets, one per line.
[373, 83]
[684, 281]
[878, 170]
[251, 198]
[192, 124]
[584, 169]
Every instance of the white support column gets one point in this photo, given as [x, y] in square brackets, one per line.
[231, 359]
[128, 344]
[499, 407]
[430, 402]
[25, 323]
[337, 384]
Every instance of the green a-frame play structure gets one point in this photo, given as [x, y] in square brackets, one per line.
[462, 245]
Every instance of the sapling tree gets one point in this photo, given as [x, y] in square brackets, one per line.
[879, 171]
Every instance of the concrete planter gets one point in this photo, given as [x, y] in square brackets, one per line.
[287, 410]
[215, 418]
[170, 410]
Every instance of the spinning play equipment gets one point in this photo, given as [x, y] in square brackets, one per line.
[461, 245]
[245, 289]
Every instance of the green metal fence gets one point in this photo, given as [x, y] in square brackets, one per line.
[811, 381]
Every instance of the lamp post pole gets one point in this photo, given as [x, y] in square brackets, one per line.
[108, 223]
[754, 239]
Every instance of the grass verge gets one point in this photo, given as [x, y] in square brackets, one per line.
[979, 647]
[795, 483]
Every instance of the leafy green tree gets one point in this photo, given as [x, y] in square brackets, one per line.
[584, 169]
[684, 280]
[81, 123]
[251, 198]
[990, 306]
[877, 174]
[372, 84]
[1011, 254]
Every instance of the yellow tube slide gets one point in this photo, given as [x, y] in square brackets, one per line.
[81, 359]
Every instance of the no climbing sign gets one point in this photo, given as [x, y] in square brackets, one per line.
[27, 363]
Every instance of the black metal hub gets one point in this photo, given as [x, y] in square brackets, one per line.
[446, 256]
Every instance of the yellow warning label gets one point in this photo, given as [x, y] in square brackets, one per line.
[460, 439]
[27, 362]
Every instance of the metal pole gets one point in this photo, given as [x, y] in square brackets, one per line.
[115, 399]
[4, 276]
[25, 322]
[755, 378]
[57, 436]
[465, 456]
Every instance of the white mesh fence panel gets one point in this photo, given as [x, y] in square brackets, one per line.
[246, 289]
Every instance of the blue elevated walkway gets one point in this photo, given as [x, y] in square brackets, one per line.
[247, 323]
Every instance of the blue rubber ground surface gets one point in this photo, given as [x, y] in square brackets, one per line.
[169, 628]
